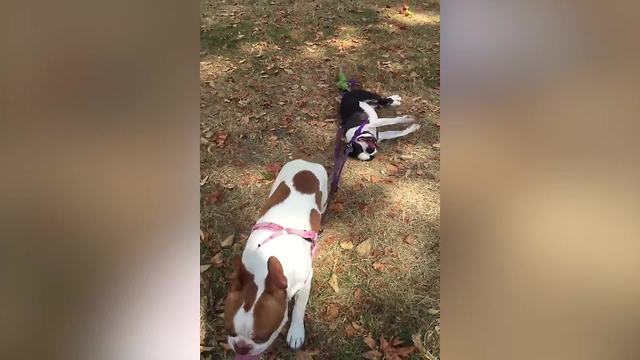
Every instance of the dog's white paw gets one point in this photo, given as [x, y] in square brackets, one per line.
[413, 128]
[396, 100]
[408, 119]
[295, 336]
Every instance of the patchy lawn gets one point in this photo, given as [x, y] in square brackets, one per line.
[268, 94]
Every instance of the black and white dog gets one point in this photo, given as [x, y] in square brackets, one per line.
[356, 107]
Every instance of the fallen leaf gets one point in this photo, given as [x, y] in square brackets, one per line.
[404, 351]
[384, 345]
[215, 198]
[349, 331]
[216, 260]
[433, 311]
[202, 235]
[336, 207]
[364, 248]
[374, 179]
[409, 240]
[363, 207]
[332, 311]
[228, 241]
[204, 268]
[220, 139]
[436, 146]
[357, 327]
[391, 352]
[379, 266]
[371, 343]
[357, 295]
[347, 245]
[333, 282]
[392, 169]
[372, 355]
[273, 168]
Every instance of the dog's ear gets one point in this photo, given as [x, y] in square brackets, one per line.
[240, 275]
[356, 149]
[275, 278]
[385, 102]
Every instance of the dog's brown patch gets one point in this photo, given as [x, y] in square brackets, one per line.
[272, 304]
[278, 196]
[306, 182]
[243, 290]
[319, 199]
[314, 219]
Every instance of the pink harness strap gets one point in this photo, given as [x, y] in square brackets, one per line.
[278, 230]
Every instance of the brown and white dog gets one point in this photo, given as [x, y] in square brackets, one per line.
[276, 265]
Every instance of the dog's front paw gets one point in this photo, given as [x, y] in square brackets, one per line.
[396, 100]
[295, 336]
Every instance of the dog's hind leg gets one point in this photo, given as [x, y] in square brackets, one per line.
[386, 135]
[295, 336]
[391, 121]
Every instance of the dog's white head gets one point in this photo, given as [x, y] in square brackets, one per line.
[365, 147]
[255, 309]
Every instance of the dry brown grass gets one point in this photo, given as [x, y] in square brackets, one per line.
[268, 85]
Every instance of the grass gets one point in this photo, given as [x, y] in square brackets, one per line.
[267, 76]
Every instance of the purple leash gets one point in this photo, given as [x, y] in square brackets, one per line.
[340, 159]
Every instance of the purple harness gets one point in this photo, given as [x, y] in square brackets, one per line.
[340, 158]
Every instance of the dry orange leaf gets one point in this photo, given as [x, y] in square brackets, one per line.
[371, 343]
[215, 197]
[336, 207]
[347, 245]
[273, 168]
[409, 240]
[357, 294]
[379, 266]
[356, 327]
[216, 260]
[392, 352]
[332, 312]
[372, 355]
[220, 139]
[333, 282]
[349, 331]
